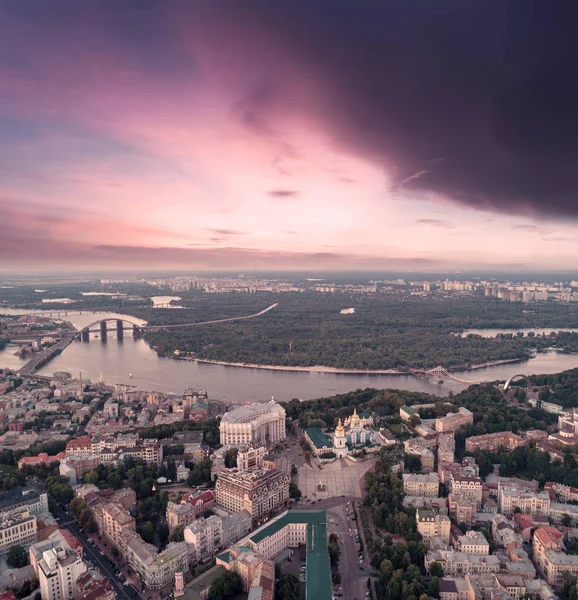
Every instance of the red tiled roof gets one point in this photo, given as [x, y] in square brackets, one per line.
[548, 536]
[204, 498]
[81, 441]
[524, 521]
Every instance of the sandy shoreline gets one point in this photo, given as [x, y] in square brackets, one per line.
[338, 371]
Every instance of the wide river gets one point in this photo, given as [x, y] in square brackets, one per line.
[117, 360]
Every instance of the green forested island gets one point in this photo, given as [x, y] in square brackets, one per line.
[384, 332]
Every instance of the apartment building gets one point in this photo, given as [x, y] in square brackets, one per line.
[92, 585]
[552, 562]
[156, 569]
[431, 524]
[236, 526]
[426, 486]
[446, 448]
[462, 509]
[17, 529]
[81, 446]
[473, 542]
[566, 493]
[58, 572]
[29, 499]
[528, 501]
[491, 442]
[60, 537]
[258, 492]
[453, 421]
[107, 449]
[458, 564]
[180, 515]
[111, 520]
[467, 486]
[206, 537]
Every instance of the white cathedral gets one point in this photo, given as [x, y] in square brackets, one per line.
[354, 433]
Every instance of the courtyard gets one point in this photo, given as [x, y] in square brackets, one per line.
[339, 478]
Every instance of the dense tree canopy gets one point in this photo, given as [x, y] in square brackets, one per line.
[386, 331]
[17, 557]
[226, 586]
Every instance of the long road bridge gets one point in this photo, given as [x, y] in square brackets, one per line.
[121, 325]
[440, 373]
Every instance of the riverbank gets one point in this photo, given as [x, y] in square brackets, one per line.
[338, 371]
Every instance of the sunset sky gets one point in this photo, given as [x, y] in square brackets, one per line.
[302, 134]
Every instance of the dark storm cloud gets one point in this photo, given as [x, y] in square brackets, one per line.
[491, 86]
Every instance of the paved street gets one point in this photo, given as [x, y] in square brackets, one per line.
[354, 579]
[100, 562]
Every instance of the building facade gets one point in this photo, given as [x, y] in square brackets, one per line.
[258, 492]
[17, 529]
[526, 500]
[58, 572]
[431, 524]
[253, 424]
[206, 537]
[453, 421]
[24, 498]
[491, 442]
[426, 486]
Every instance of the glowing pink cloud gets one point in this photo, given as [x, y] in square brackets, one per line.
[118, 161]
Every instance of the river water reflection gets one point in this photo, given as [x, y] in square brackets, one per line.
[116, 360]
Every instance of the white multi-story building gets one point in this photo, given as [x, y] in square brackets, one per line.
[467, 487]
[473, 542]
[253, 424]
[17, 529]
[456, 564]
[528, 501]
[206, 535]
[58, 572]
[426, 486]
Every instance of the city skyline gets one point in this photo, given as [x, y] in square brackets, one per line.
[304, 136]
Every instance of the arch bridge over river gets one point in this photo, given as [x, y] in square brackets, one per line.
[441, 373]
[138, 329]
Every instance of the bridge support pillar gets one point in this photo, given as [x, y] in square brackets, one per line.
[85, 335]
[136, 331]
[103, 330]
[119, 329]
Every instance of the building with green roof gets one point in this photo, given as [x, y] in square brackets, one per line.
[291, 529]
[319, 441]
